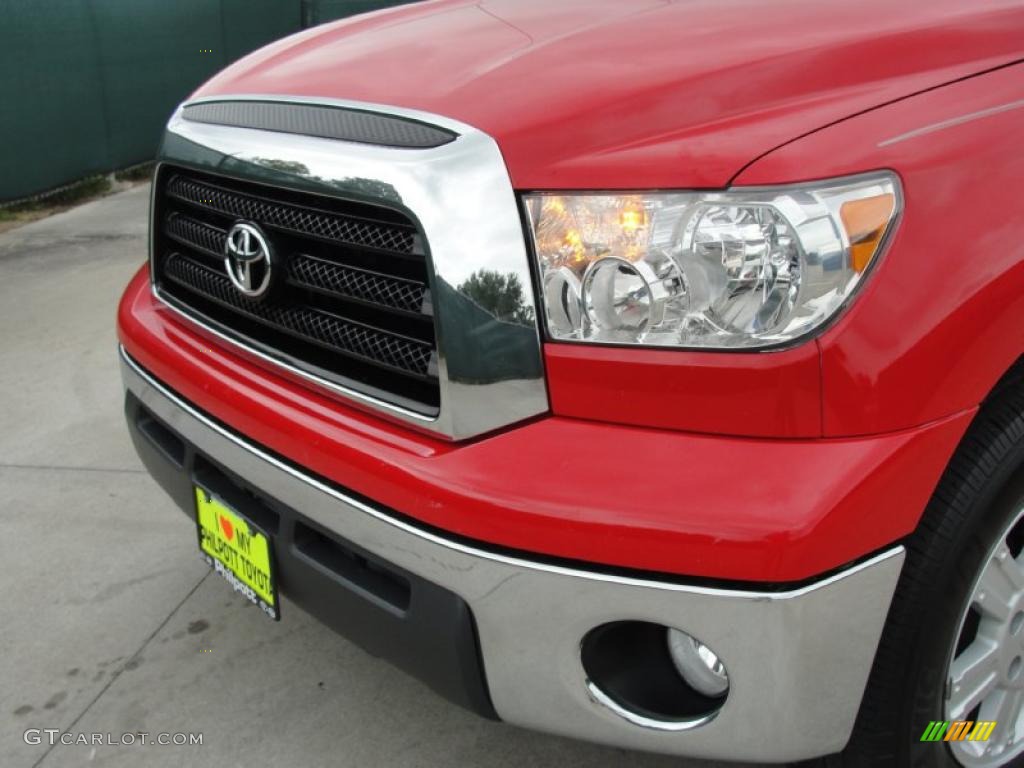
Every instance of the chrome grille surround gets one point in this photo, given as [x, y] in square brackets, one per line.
[488, 367]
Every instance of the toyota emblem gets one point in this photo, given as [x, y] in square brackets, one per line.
[247, 259]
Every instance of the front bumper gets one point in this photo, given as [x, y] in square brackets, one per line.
[808, 649]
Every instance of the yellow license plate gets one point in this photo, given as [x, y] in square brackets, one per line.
[238, 551]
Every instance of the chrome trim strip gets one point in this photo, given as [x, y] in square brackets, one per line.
[643, 721]
[811, 647]
[490, 368]
[953, 122]
[465, 549]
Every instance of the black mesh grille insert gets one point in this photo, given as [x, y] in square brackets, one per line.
[197, 234]
[357, 283]
[349, 298]
[292, 218]
[323, 121]
[329, 330]
[311, 272]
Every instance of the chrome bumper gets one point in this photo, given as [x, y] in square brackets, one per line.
[797, 660]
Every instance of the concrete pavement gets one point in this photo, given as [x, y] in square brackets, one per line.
[109, 621]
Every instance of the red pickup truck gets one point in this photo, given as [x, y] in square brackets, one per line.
[645, 372]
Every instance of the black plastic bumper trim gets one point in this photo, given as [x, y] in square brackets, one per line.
[422, 628]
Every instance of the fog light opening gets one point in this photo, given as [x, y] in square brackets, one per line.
[654, 676]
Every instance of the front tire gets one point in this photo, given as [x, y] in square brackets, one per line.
[985, 667]
[953, 645]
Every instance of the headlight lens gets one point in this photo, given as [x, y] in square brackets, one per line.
[736, 269]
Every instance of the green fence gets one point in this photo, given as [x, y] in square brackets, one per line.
[319, 11]
[89, 84]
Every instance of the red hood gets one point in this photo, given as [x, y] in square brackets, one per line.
[638, 93]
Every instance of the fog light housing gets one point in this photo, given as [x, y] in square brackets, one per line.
[630, 671]
[697, 664]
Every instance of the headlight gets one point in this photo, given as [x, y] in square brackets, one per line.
[735, 269]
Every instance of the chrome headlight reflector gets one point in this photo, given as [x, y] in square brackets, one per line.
[744, 268]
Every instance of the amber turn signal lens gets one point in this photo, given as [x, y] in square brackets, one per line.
[865, 222]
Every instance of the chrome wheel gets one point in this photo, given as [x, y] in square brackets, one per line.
[985, 678]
